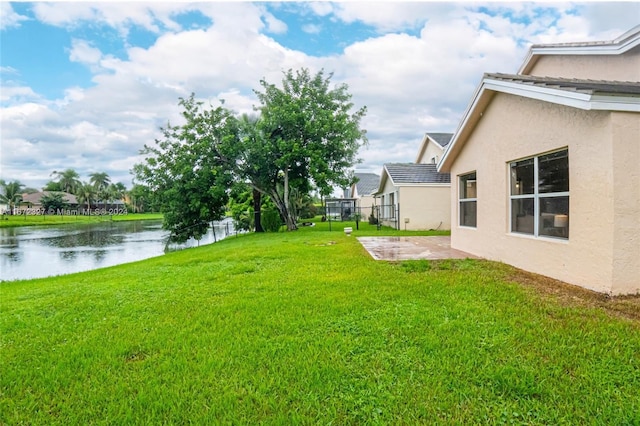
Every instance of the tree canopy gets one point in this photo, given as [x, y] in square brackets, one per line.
[306, 136]
[68, 180]
[187, 172]
[11, 193]
[310, 134]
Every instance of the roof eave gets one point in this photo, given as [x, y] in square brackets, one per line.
[469, 120]
[423, 147]
[490, 86]
[622, 44]
[383, 178]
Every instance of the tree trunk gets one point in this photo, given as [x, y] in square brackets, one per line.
[288, 217]
[285, 214]
[257, 206]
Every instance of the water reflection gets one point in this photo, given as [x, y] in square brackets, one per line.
[33, 252]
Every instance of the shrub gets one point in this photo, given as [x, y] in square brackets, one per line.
[271, 220]
[309, 211]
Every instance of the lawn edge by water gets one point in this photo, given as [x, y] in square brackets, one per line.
[11, 221]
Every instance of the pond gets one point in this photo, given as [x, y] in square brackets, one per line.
[43, 251]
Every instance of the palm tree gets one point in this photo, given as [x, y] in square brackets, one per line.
[69, 180]
[86, 193]
[117, 191]
[101, 181]
[11, 193]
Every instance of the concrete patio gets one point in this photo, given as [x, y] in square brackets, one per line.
[411, 248]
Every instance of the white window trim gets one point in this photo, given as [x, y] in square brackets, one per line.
[467, 200]
[536, 199]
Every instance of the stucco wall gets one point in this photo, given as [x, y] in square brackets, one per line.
[624, 67]
[364, 203]
[430, 151]
[513, 128]
[426, 207]
[625, 129]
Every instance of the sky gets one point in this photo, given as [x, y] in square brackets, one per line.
[86, 85]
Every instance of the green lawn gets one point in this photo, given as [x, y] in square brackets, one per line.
[7, 221]
[305, 328]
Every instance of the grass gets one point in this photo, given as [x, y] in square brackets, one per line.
[305, 328]
[8, 221]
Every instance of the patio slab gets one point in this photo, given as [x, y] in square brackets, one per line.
[412, 248]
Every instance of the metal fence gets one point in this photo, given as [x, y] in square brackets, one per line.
[379, 215]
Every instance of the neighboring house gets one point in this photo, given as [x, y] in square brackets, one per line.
[432, 147]
[34, 200]
[546, 166]
[363, 191]
[414, 197]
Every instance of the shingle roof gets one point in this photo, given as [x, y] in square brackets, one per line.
[405, 173]
[36, 197]
[443, 139]
[590, 87]
[367, 183]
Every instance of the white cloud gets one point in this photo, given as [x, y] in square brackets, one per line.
[274, 25]
[121, 16]
[391, 16]
[16, 93]
[312, 28]
[321, 8]
[83, 52]
[9, 18]
[411, 83]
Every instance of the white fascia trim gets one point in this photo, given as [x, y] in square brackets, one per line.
[597, 49]
[465, 118]
[382, 180]
[563, 97]
[615, 103]
[614, 48]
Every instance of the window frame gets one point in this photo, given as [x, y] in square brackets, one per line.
[537, 196]
[467, 200]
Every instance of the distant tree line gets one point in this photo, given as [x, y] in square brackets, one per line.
[97, 190]
[304, 138]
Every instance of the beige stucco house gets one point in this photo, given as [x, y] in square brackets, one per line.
[545, 166]
[363, 191]
[415, 196]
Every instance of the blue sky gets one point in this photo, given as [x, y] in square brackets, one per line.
[86, 85]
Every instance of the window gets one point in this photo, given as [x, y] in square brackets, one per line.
[540, 195]
[468, 200]
[392, 206]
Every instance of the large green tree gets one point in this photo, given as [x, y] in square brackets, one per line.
[310, 136]
[187, 172]
[307, 135]
[52, 186]
[142, 199]
[68, 180]
[11, 193]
